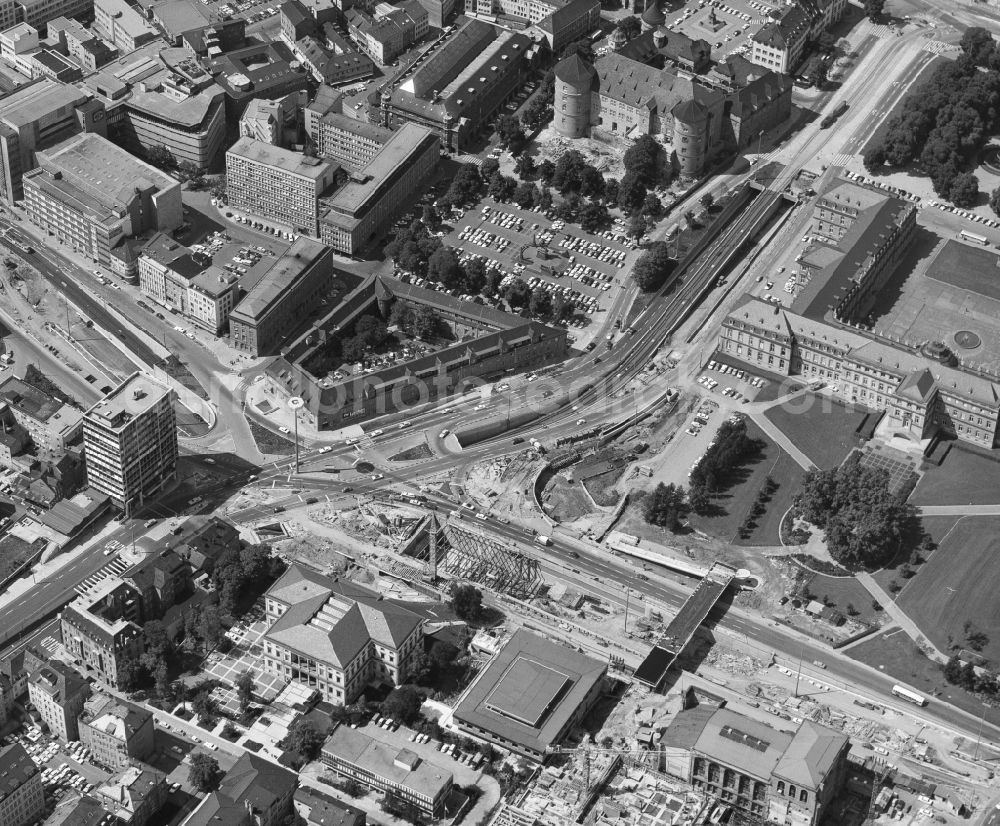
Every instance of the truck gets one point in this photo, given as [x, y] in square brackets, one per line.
[836, 113]
[541, 539]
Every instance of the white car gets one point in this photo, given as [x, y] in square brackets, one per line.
[350, 441]
[377, 432]
[404, 424]
[480, 407]
[326, 449]
[284, 429]
[481, 516]
[377, 476]
[443, 434]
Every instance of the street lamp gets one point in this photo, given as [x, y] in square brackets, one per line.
[294, 404]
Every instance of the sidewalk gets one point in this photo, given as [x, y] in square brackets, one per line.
[908, 626]
[779, 438]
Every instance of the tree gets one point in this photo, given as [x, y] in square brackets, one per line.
[219, 187]
[546, 171]
[475, 275]
[211, 625]
[403, 704]
[467, 602]
[964, 190]
[540, 303]
[427, 324]
[131, 674]
[517, 293]
[874, 158]
[304, 739]
[204, 772]
[647, 160]
[511, 133]
[244, 689]
[629, 26]
[652, 206]
[707, 200]
[161, 681]
[489, 168]
[995, 201]
[465, 187]
[445, 268]
[524, 166]
[631, 192]
[524, 195]
[494, 278]
[653, 266]
[637, 226]
[593, 217]
[430, 217]
[978, 44]
[953, 669]
[204, 706]
[501, 188]
[161, 157]
[666, 506]
[873, 8]
[611, 191]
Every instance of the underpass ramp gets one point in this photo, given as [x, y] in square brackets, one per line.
[652, 671]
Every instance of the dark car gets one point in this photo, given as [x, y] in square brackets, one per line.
[517, 440]
[279, 508]
[312, 500]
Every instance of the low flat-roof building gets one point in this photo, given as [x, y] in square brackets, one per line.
[117, 732]
[362, 209]
[530, 695]
[274, 306]
[92, 195]
[50, 422]
[386, 767]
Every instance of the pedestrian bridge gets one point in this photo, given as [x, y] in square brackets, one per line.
[652, 671]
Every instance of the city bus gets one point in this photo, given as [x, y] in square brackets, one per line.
[965, 235]
[909, 696]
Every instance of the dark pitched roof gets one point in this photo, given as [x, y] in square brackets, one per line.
[689, 111]
[257, 781]
[575, 71]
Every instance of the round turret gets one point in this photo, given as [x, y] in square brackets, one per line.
[660, 37]
[690, 137]
[574, 83]
[653, 17]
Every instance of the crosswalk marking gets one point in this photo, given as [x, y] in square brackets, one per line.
[116, 567]
[937, 47]
[842, 159]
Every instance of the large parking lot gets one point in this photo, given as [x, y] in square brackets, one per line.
[727, 25]
[585, 268]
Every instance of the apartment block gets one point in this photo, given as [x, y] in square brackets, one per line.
[93, 195]
[134, 795]
[130, 441]
[50, 422]
[58, 694]
[122, 25]
[351, 143]
[100, 630]
[116, 731]
[38, 13]
[369, 202]
[173, 277]
[387, 33]
[276, 184]
[254, 792]
[780, 43]
[278, 303]
[80, 43]
[22, 799]
[336, 637]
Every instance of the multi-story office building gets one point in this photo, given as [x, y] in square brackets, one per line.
[10, 13]
[386, 767]
[93, 195]
[352, 143]
[369, 202]
[58, 694]
[163, 97]
[276, 121]
[277, 303]
[38, 13]
[121, 25]
[50, 422]
[171, 276]
[335, 636]
[277, 185]
[22, 799]
[762, 772]
[17, 44]
[36, 116]
[130, 441]
[388, 32]
[99, 629]
[116, 732]
[80, 43]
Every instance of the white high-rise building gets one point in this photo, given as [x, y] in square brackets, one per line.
[130, 441]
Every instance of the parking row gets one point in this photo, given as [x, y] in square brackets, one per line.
[582, 303]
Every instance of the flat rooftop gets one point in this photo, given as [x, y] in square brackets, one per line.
[33, 101]
[529, 691]
[134, 396]
[279, 278]
[29, 399]
[293, 163]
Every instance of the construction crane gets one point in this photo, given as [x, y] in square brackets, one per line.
[587, 751]
[881, 771]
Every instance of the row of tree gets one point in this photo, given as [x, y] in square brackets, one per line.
[732, 448]
[944, 125]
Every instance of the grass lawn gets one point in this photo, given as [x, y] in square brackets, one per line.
[268, 442]
[896, 654]
[824, 431]
[734, 502]
[923, 77]
[937, 527]
[959, 582]
[966, 477]
[843, 591]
